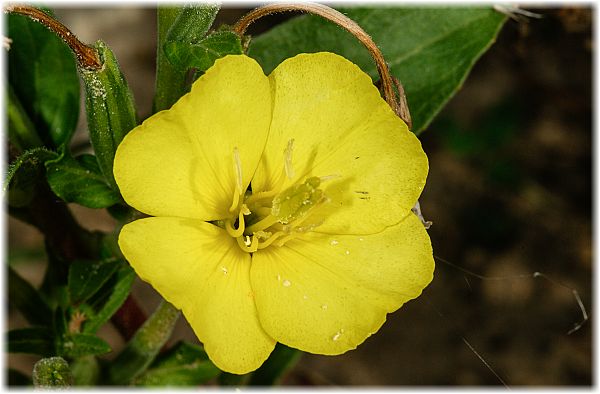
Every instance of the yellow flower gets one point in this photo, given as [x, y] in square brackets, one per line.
[282, 208]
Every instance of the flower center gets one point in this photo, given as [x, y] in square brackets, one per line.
[276, 216]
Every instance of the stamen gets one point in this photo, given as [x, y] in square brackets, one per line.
[238, 169]
[262, 245]
[241, 225]
[247, 242]
[251, 248]
[329, 177]
[289, 169]
[262, 225]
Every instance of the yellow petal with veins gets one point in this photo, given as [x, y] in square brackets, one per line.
[326, 294]
[342, 127]
[199, 268]
[181, 162]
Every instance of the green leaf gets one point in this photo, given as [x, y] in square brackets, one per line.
[281, 360]
[186, 24]
[24, 174]
[430, 50]
[185, 364]
[18, 378]
[32, 340]
[87, 277]
[43, 74]
[203, 54]
[110, 298]
[79, 345]
[79, 180]
[109, 108]
[21, 131]
[28, 300]
[52, 373]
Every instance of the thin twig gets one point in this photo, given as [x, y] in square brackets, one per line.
[349, 25]
[87, 57]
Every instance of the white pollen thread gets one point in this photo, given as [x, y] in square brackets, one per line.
[305, 297]
[286, 283]
[324, 307]
[224, 269]
[337, 336]
[289, 169]
[247, 242]
[347, 252]
[334, 242]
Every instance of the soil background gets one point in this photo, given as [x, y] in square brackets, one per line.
[509, 193]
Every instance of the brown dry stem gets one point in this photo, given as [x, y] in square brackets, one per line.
[87, 57]
[387, 81]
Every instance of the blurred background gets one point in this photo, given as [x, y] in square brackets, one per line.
[509, 193]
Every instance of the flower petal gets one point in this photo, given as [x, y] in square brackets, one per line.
[341, 126]
[180, 162]
[200, 269]
[326, 294]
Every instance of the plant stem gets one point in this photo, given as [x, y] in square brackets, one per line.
[387, 81]
[144, 346]
[87, 57]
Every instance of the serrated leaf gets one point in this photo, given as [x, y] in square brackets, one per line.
[32, 340]
[43, 74]
[79, 180]
[27, 299]
[185, 364]
[202, 55]
[430, 50]
[110, 298]
[87, 277]
[23, 175]
[79, 345]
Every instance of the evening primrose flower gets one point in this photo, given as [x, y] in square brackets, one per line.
[281, 208]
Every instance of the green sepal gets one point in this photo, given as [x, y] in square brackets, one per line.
[144, 346]
[24, 174]
[185, 24]
[87, 277]
[27, 299]
[86, 371]
[202, 55]
[185, 364]
[31, 340]
[43, 73]
[81, 181]
[110, 109]
[52, 373]
[192, 22]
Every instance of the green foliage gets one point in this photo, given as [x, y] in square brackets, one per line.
[27, 300]
[202, 55]
[43, 76]
[52, 373]
[185, 364]
[281, 360]
[21, 131]
[430, 50]
[79, 345]
[87, 277]
[186, 24]
[24, 174]
[31, 340]
[80, 180]
[109, 299]
[86, 371]
[109, 108]
[144, 346]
